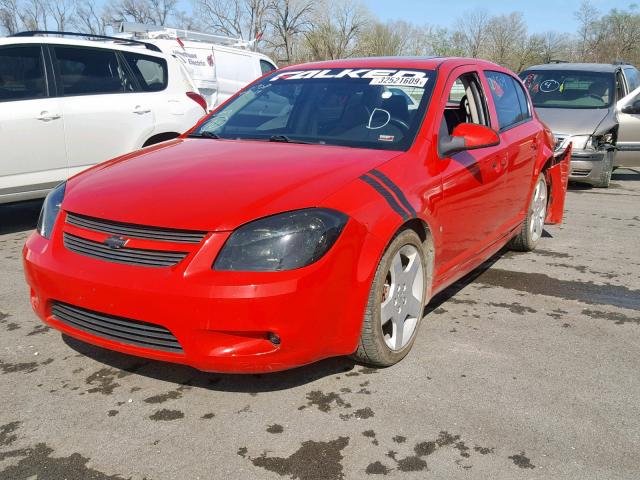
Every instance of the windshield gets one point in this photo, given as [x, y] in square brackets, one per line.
[366, 108]
[569, 89]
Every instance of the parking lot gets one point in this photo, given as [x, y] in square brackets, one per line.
[527, 370]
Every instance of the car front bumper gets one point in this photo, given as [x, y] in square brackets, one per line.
[222, 320]
[588, 167]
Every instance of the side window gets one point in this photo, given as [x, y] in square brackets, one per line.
[633, 79]
[620, 87]
[151, 72]
[86, 71]
[266, 67]
[510, 99]
[465, 104]
[21, 73]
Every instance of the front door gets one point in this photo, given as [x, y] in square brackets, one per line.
[31, 124]
[470, 211]
[628, 154]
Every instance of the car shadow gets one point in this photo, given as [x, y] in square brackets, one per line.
[19, 217]
[236, 383]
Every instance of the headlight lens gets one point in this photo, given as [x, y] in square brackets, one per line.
[282, 242]
[581, 142]
[50, 210]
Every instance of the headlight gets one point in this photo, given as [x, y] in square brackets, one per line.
[581, 142]
[50, 210]
[282, 242]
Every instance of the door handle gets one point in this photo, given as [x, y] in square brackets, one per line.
[140, 110]
[47, 117]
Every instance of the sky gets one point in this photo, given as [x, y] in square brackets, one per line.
[540, 15]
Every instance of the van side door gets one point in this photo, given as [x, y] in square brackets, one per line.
[628, 143]
[31, 125]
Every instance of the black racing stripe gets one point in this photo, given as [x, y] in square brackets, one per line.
[387, 196]
[394, 188]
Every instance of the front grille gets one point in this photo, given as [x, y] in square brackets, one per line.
[125, 330]
[580, 172]
[135, 231]
[128, 256]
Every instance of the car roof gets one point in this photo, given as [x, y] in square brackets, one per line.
[580, 67]
[113, 45]
[427, 63]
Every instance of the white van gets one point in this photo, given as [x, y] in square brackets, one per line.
[67, 104]
[218, 65]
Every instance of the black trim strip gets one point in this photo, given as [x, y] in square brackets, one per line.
[394, 188]
[386, 195]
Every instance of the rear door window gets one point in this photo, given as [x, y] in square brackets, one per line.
[86, 71]
[511, 102]
[151, 72]
[21, 73]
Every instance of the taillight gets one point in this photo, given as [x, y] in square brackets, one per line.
[199, 99]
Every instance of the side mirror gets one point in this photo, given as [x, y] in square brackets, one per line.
[632, 108]
[468, 136]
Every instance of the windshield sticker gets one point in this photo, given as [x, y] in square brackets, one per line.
[410, 78]
[549, 86]
[386, 138]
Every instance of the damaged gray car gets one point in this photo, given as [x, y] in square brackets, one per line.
[580, 104]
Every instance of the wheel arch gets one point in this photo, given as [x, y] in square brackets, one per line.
[160, 137]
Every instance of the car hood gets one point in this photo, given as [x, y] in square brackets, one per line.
[205, 184]
[570, 121]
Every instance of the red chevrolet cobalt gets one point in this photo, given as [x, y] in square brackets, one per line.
[314, 214]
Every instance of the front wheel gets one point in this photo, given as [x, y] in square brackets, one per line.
[396, 303]
[533, 225]
[607, 170]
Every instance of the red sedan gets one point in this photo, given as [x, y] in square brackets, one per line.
[314, 214]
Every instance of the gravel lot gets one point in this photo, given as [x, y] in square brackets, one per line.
[531, 369]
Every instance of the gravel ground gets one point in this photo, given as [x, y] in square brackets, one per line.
[529, 369]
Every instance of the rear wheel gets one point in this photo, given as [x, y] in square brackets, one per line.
[533, 226]
[396, 303]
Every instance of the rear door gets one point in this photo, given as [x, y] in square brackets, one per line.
[104, 115]
[628, 154]
[518, 137]
[31, 128]
[472, 181]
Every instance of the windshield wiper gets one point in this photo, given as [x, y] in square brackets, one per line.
[205, 134]
[285, 139]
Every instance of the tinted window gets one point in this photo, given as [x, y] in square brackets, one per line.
[266, 67]
[90, 71]
[632, 77]
[366, 108]
[21, 73]
[510, 100]
[151, 72]
[569, 89]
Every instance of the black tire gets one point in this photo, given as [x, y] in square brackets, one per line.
[605, 178]
[372, 349]
[524, 241]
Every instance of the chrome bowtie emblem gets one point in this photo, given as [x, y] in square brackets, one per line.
[115, 242]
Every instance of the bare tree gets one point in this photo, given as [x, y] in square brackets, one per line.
[335, 30]
[236, 18]
[33, 14]
[61, 11]
[505, 35]
[472, 28]
[89, 19]
[290, 19]
[8, 16]
[587, 16]
[389, 39]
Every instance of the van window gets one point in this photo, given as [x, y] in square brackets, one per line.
[632, 78]
[151, 72]
[86, 71]
[266, 67]
[21, 73]
[510, 99]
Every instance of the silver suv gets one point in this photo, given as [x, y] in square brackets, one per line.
[578, 101]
